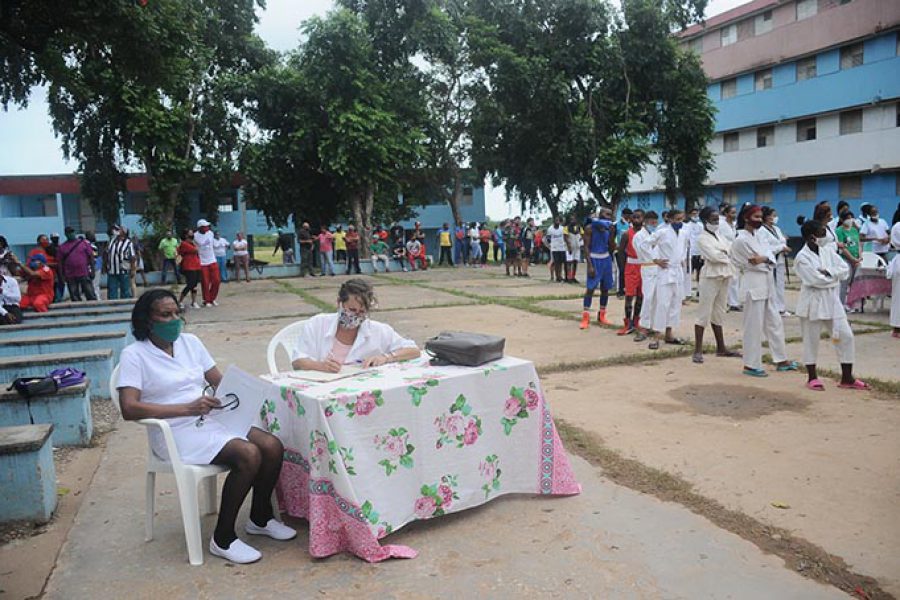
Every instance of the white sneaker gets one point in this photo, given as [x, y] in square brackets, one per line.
[195, 305]
[214, 303]
[274, 529]
[237, 552]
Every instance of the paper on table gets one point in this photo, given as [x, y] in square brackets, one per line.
[322, 376]
[251, 391]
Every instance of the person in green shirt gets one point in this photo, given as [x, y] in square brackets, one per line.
[847, 234]
[379, 252]
[167, 247]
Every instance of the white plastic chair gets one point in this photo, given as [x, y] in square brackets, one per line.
[188, 479]
[283, 338]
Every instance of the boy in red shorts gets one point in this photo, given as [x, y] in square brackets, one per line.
[634, 294]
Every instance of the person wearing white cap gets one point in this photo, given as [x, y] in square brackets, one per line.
[209, 268]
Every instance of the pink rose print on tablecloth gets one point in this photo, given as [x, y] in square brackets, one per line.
[451, 430]
[436, 499]
[396, 445]
[489, 469]
[365, 403]
[520, 403]
[361, 405]
[324, 452]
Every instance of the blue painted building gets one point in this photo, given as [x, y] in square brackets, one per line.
[46, 204]
[807, 94]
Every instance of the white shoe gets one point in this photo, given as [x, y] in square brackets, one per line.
[214, 303]
[195, 305]
[274, 529]
[238, 552]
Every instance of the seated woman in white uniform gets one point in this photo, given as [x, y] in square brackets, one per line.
[348, 337]
[163, 376]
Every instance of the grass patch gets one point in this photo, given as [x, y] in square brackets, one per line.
[307, 297]
[799, 554]
[616, 361]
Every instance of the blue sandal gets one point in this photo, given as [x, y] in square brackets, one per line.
[791, 366]
[755, 372]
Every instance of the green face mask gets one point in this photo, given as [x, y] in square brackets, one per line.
[167, 330]
[70, 237]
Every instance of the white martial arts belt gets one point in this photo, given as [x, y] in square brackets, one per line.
[598, 255]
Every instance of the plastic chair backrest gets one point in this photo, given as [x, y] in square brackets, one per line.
[282, 338]
[870, 260]
[113, 390]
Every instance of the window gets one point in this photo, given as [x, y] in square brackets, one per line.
[728, 34]
[696, 44]
[732, 141]
[467, 196]
[643, 201]
[764, 192]
[806, 130]
[50, 206]
[806, 68]
[851, 121]
[730, 195]
[763, 23]
[136, 203]
[729, 88]
[850, 187]
[765, 136]
[851, 56]
[806, 190]
[227, 204]
[807, 9]
[763, 79]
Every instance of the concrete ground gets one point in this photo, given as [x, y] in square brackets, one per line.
[831, 457]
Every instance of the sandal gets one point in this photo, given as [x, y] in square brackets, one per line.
[654, 345]
[755, 372]
[640, 336]
[730, 354]
[697, 358]
[857, 384]
[815, 385]
[676, 342]
[790, 366]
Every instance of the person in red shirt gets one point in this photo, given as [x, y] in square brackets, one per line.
[352, 241]
[190, 267]
[634, 293]
[40, 290]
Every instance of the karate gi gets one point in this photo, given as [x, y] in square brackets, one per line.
[757, 294]
[646, 254]
[820, 305]
[715, 278]
[728, 233]
[893, 273]
[777, 242]
[671, 246]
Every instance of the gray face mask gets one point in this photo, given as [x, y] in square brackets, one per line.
[349, 320]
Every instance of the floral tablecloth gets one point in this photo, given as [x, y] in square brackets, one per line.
[866, 284]
[368, 454]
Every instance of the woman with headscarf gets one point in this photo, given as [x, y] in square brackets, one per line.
[755, 262]
[716, 275]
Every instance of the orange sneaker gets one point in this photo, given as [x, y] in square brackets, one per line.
[626, 328]
[601, 317]
[585, 320]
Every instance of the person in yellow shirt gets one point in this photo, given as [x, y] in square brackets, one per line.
[446, 241]
[340, 245]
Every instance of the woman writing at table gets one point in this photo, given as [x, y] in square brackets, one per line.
[163, 376]
[330, 340]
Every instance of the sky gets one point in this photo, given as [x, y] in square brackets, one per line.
[29, 147]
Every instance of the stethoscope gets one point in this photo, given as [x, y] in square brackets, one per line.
[232, 403]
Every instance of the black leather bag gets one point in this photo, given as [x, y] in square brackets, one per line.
[464, 348]
[30, 387]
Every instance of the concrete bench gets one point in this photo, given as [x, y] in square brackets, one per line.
[68, 410]
[98, 364]
[66, 314]
[129, 302]
[27, 473]
[76, 342]
[32, 329]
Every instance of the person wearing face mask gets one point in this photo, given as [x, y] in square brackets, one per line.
[76, 260]
[773, 236]
[164, 375]
[848, 235]
[876, 230]
[694, 228]
[728, 232]
[119, 263]
[210, 278]
[715, 279]
[820, 270]
[634, 297]
[671, 244]
[39, 293]
[328, 341]
[600, 242]
[753, 258]
[646, 254]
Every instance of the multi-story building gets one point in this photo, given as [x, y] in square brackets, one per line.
[46, 204]
[807, 94]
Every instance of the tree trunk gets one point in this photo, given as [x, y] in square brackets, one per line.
[361, 204]
[455, 198]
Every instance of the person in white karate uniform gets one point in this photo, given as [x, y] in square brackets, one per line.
[670, 242]
[819, 306]
[754, 260]
[164, 375]
[728, 232]
[715, 279]
[893, 273]
[778, 243]
[647, 254]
